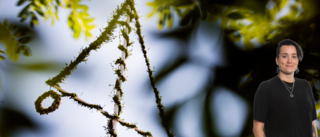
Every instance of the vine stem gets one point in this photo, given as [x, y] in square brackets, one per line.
[82, 102]
[122, 68]
[105, 113]
[160, 106]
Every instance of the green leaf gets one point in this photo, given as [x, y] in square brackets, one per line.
[11, 44]
[77, 30]
[26, 51]
[23, 18]
[70, 21]
[9, 41]
[58, 2]
[161, 21]
[20, 32]
[20, 2]
[5, 23]
[84, 7]
[189, 15]
[79, 20]
[56, 14]
[12, 27]
[24, 40]
[2, 57]
[40, 12]
[34, 19]
[17, 33]
[235, 15]
[169, 20]
[24, 11]
[44, 8]
[31, 24]
[44, 2]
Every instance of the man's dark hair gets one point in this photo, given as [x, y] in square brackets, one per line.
[293, 43]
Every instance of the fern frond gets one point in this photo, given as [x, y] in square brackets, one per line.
[14, 39]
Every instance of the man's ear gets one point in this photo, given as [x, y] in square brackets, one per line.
[277, 61]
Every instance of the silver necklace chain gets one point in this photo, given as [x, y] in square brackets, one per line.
[288, 88]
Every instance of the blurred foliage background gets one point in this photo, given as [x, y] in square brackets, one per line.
[246, 34]
[251, 31]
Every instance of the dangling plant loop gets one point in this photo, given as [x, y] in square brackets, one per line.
[55, 104]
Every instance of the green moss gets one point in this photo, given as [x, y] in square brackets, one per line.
[55, 105]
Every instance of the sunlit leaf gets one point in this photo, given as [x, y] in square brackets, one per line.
[79, 20]
[84, 7]
[45, 8]
[169, 20]
[166, 9]
[56, 15]
[34, 19]
[40, 12]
